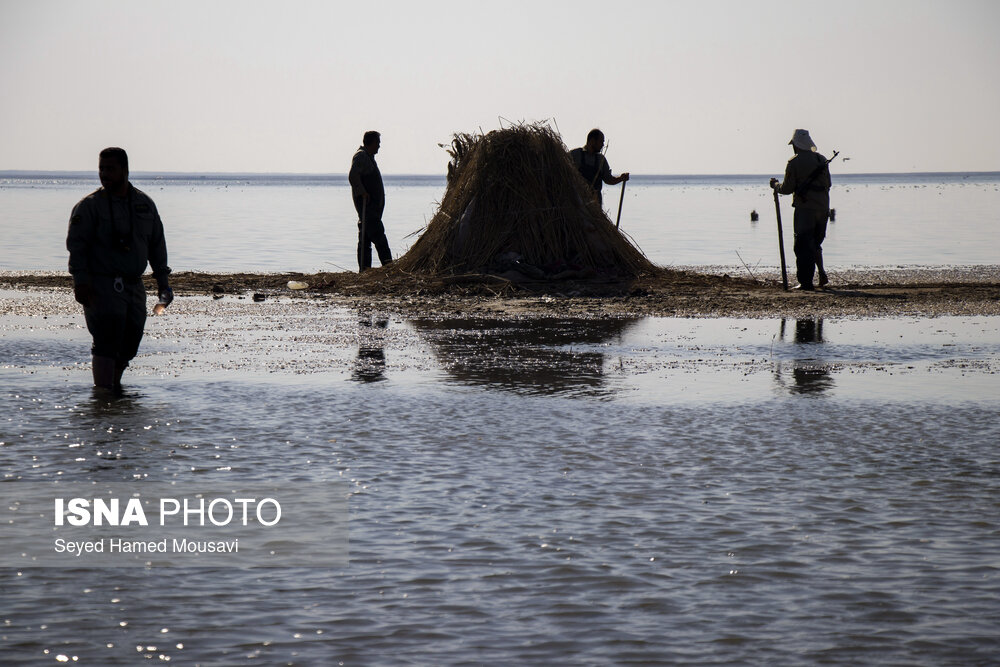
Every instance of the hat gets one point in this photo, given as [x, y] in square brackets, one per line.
[802, 140]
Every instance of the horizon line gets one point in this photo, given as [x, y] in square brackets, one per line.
[171, 173]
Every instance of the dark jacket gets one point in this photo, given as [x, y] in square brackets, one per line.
[815, 194]
[116, 236]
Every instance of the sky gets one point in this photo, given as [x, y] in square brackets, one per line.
[702, 87]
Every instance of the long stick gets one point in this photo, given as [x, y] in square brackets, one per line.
[599, 162]
[620, 200]
[781, 241]
[363, 241]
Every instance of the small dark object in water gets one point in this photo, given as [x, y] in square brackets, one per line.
[753, 216]
[833, 215]
[257, 296]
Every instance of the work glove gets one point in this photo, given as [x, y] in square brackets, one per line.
[165, 295]
[774, 183]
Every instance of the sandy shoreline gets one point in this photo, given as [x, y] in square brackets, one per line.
[706, 292]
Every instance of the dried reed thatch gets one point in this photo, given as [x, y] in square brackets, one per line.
[515, 204]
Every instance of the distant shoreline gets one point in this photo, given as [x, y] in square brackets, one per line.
[435, 179]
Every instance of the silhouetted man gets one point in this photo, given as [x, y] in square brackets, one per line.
[114, 233]
[807, 175]
[369, 200]
[593, 166]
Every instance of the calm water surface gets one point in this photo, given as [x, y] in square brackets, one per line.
[654, 491]
[301, 223]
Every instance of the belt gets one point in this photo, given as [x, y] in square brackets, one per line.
[120, 281]
[129, 280]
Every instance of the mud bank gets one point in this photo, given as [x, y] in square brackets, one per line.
[665, 292]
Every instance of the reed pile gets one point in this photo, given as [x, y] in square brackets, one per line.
[516, 203]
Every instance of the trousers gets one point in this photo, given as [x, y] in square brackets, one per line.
[116, 319]
[373, 232]
[810, 230]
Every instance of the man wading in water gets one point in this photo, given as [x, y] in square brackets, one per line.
[113, 233]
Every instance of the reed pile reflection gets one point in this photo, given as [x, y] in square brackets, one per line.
[525, 356]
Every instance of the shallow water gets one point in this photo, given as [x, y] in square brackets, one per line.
[705, 491]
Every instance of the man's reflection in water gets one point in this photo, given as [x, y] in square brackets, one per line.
[113, 432]
[809, 373]
[809, 331]
[370, 364]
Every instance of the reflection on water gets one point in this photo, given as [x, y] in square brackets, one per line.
[370, 363]
[536, 356]
[810, 374]
[101, 436]
[712, 512]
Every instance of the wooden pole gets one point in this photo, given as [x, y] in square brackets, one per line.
[363, 241]
[781, 240]
[620, 200]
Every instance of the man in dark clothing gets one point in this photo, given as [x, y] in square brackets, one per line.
[593, 166]
[807, 175]
[113, 233]
[369, 200]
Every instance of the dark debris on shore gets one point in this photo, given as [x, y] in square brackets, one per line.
[661, 292]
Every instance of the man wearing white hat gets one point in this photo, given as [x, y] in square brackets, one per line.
[807, 176]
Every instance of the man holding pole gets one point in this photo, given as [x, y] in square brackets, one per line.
[369, 201]
[592, 164]
[807, 177]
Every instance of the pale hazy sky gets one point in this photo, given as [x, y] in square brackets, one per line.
[678, 87]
